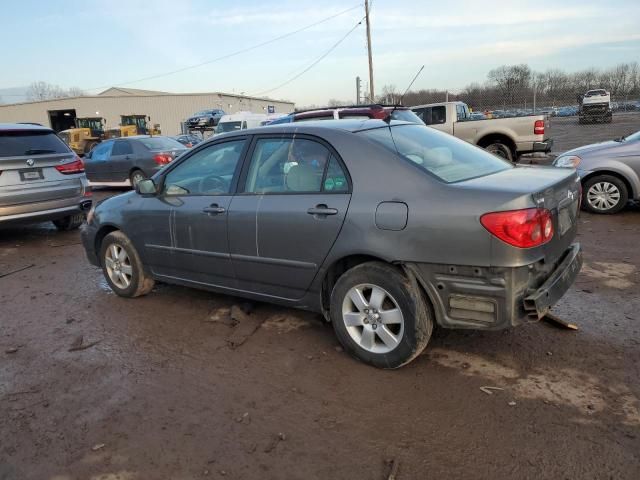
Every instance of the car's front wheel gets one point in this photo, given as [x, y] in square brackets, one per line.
[122, 267]
[605, 194]
[379, 316]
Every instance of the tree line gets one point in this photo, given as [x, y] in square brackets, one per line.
[516, 86]
[46, 91]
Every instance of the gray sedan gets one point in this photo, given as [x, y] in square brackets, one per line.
[387, 230]
[610, 172]
[128, 160]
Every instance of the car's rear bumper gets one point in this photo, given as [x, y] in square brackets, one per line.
[543, 146]
[44, 211]
[495, 298]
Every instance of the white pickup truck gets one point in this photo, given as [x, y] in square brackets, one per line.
[506, 137]
[595, 105]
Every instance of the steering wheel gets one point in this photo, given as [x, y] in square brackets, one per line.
[213, 182]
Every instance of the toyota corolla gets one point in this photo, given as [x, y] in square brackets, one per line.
[385, 229]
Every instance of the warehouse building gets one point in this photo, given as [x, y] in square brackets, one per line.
[169, 110]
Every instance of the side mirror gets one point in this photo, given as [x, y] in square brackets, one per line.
[146, 187]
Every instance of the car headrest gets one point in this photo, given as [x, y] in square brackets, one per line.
[302, 178]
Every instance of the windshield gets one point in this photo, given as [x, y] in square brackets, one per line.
[407, 116]
[442, 155]
[203, 112]
[228, 127]
[17, 143]
[633, 137]
[161, 143]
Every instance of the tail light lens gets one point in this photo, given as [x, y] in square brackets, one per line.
[538, 127]
[162, 158]
[526, 228]
[76, 166]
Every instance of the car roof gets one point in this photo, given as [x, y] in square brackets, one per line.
[4, 127]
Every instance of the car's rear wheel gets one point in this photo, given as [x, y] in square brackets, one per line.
[122, 267]
[70, 222]
[379, 316]
[88, 146]
[605, 194]
[136, 177]
[501, 150]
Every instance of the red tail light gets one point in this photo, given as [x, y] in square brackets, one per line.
[538, 127]
[77, 166]
[162, 158]
[521, 228]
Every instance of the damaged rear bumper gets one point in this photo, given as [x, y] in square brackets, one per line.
[493, 298]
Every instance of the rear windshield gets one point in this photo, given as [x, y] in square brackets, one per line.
[17, 143]
[161, 143]
[228, 127]
[407, 116]
[442, 155]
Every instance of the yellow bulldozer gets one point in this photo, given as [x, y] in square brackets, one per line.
[88, 132]
[133, 125]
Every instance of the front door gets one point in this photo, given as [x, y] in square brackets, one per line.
[287, 215]
[192, 209]
[97, 166]
[121, 160]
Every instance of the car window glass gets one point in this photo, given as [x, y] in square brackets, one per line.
[336, 179]
[244, 125]
[102, 151]
[122, 147]
[460, 113]
[16, 143]
[311, 119]
[287, 165]
[207, 172]
[438, 115]
[354, 116]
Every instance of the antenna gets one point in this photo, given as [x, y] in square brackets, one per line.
[388, 117]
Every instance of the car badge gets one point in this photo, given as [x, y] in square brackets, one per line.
[30, 162]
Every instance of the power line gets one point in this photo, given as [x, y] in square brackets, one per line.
[313, 64]
[232, 54]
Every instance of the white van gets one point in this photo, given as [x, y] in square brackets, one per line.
[240, 121]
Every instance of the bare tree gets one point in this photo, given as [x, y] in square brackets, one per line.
[390, 95]
[45, 91]
[513, 81]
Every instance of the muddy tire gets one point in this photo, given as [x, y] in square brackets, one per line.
[501, 150]
[604, 194]
[70, 222]
[380, 316]
[122, 267]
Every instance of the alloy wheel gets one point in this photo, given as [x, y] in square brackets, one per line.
[603, 196]
[118, 266]
[373, 318]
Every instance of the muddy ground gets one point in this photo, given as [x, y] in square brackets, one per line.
[165, 394]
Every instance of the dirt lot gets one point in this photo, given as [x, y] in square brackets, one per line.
[163, 394]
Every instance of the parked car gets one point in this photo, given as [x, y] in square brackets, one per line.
[609, 171]
[41, 178]
[506, 137]
[240, 121]
[205, 118]
[329, 216]
[188, 140]
[567, 111]
[477, 116]
[126, 161]
[354, 112]
[595, 106]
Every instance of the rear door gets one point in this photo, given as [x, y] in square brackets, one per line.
[120, 161]
[28, 174]
[294, 197]
[97, 165]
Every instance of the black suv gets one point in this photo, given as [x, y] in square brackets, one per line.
[205, 118]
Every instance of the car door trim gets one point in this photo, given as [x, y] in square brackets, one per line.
[274, 261]
[189, 251]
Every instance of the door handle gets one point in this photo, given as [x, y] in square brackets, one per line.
[213, 209]
[322, 209]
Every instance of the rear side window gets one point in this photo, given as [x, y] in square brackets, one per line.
[432, 115]
[122, 147]
[441, 155]
[19, 143]
[161, 143]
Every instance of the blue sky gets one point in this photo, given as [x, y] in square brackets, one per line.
[97, 44]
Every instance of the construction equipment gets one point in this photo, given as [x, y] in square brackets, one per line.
[88, 132]
[138, 124]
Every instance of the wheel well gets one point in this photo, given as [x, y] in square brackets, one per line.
[335, 271]
[499, 138]
[622, 178]
[103, 232]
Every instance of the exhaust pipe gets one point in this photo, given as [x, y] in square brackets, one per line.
[85, 205]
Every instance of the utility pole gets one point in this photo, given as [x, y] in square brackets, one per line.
[358, 86]
[371, 95]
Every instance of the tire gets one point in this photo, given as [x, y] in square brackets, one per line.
[71, 222]
[604, 194]
[501, 150]
[126, 276]
[88, 146]
[403, 315]
[135, 177]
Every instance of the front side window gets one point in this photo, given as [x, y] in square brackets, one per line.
[287, 165]
[209, 171]
[441, 155]
[102, 151]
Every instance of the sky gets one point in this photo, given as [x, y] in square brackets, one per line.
[94, 45]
